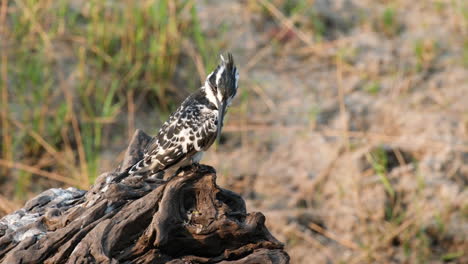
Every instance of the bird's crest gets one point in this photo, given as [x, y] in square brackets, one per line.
[225, 76]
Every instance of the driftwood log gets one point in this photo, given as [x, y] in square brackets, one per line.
[139, 219]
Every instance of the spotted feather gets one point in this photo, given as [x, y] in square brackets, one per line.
[193, 127]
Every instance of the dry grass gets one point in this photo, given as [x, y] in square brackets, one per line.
[69, 72]
[350, 131]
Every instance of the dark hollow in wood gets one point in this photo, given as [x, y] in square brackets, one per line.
[139, 219]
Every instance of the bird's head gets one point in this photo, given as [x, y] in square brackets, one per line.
[223, 81]
[222, 85]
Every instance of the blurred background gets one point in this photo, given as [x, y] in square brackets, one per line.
[349, 132]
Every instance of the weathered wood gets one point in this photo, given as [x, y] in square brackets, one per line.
[139, 219]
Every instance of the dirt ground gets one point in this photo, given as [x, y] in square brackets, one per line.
[301, 145]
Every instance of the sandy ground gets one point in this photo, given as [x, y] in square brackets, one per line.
[298, 140]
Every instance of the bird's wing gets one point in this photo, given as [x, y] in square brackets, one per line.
[188, 130]
[154, 143]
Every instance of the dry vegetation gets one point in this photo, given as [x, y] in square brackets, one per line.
[350, 131]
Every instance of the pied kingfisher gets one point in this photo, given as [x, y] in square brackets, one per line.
[195, 125]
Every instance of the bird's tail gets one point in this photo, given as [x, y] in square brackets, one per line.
[140, 166]
[136, 168]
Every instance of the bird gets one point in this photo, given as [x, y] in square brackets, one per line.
[195, 125]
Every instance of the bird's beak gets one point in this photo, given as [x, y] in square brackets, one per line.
[221, 118]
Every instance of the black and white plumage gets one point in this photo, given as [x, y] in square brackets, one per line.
[195, 125]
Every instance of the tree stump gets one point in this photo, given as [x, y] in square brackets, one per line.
[139, 219]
